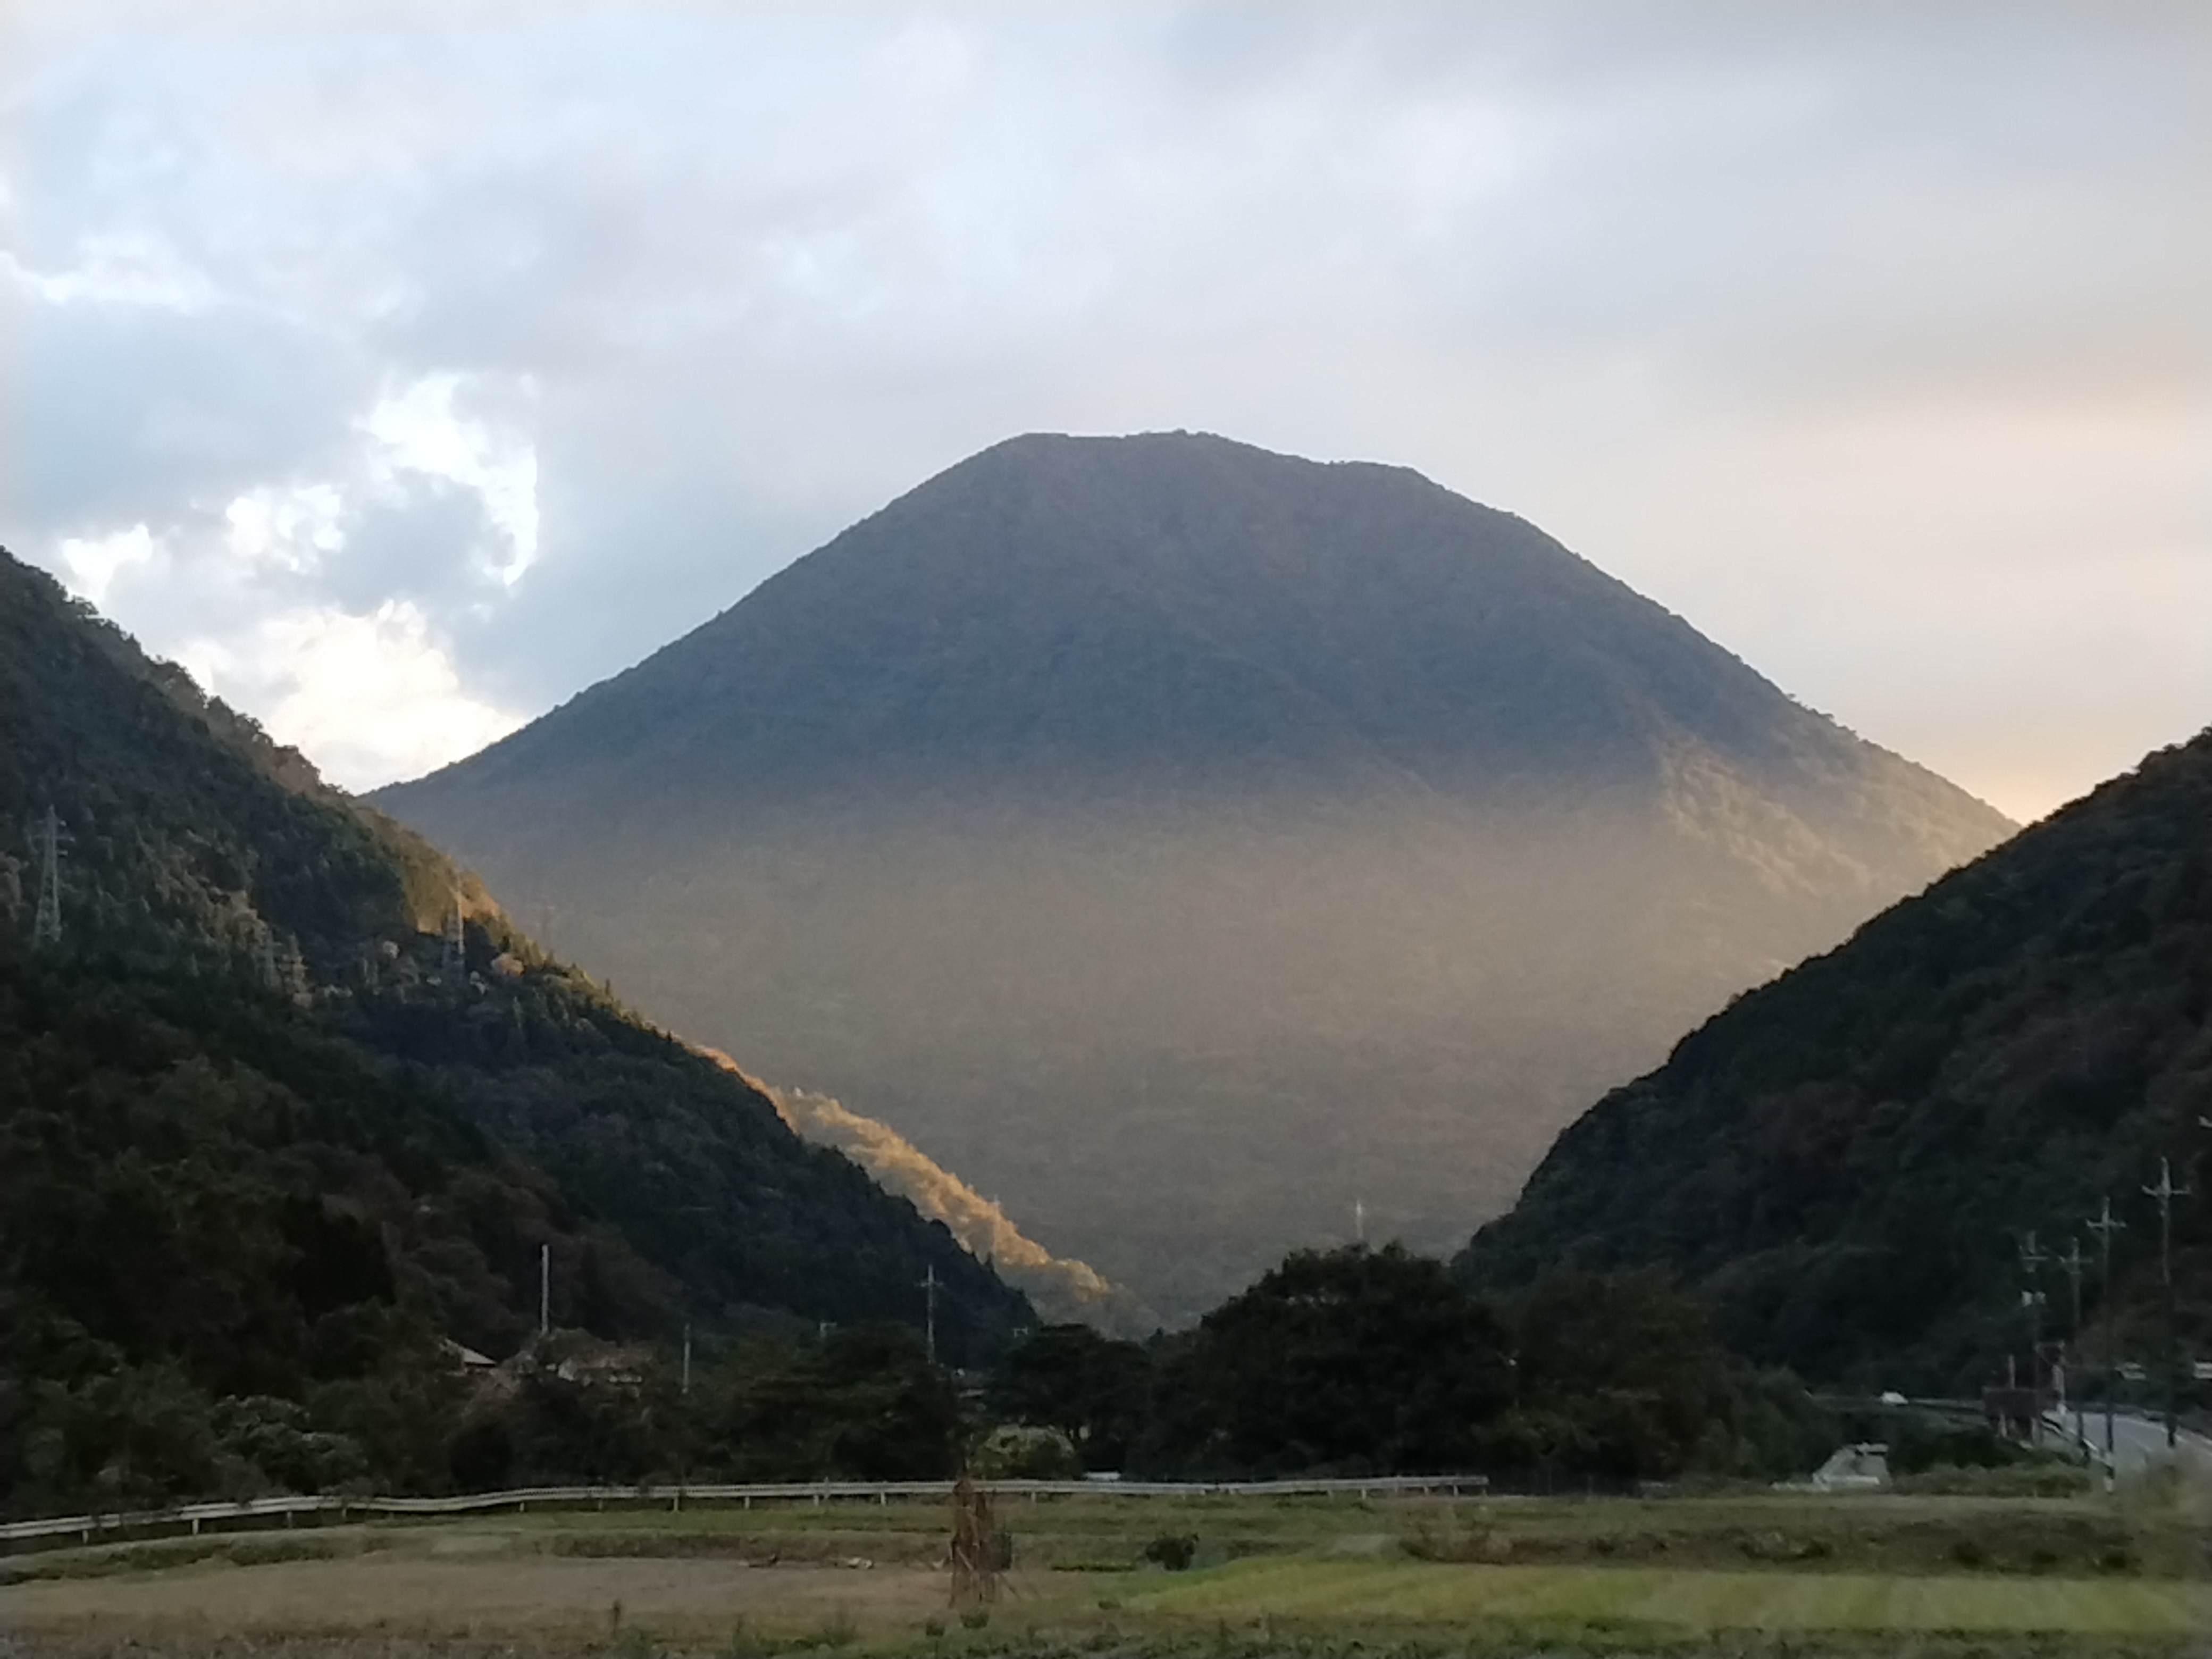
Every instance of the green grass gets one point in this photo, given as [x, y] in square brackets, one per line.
[1880, 1534]
[1058, 1532]
[1340, 1592]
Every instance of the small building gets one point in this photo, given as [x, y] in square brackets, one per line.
[1861, 1467]
[466, 1358]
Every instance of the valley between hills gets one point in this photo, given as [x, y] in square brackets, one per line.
[1203, 852]
[1141, 867]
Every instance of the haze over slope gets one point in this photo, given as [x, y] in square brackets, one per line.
[1184, 841]
[1844, 1160]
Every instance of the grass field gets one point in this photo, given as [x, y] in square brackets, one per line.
[1750, 1572]
[1354, 1593]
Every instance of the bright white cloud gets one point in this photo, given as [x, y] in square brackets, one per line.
[91, 563]
[129, 268]
[288, 529]
[369, 698]
[419, 430]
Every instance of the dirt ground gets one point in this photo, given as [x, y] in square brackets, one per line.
[458, 1592]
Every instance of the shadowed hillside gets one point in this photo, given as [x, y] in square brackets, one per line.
[1844, 1161]
[255, 998]
[1185, 843]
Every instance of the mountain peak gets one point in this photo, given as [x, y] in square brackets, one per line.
[1164, 779]
[1110, 613]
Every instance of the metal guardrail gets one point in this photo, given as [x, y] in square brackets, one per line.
[1933, 1405]
[250, 1514]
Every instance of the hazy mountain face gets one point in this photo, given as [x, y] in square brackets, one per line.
[1187, 843]
[1845, 1161]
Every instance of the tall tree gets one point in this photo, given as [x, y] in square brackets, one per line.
[1354, 1359]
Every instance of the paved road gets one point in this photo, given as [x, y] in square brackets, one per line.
[2137, 1440]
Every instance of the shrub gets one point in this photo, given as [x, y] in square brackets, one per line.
[1172, 1550]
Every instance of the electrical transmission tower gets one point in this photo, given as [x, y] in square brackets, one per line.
[456, 962]
[292, 970]
[46, 921]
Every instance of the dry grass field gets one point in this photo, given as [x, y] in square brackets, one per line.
[1745, 1574]
[466, 1595]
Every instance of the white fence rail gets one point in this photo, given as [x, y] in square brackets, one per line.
[252, 1514]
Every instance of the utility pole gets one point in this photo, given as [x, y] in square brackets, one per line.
[687, 1358]
[2104, 1225]
[929, 1290]
[2032, 1259]
[2166, 1192]
[2073, 1261]
[46, 921]
[544, 1289]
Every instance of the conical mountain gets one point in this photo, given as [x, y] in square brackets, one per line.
[1189, 844]
[1848, 1161]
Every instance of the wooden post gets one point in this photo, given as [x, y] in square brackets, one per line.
[975, 1546]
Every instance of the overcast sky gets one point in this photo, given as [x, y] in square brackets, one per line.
[402, 372]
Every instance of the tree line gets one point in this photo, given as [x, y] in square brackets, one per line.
[1346, 1363]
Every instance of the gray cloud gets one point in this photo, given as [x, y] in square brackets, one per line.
[1871, 339]
[137, 412]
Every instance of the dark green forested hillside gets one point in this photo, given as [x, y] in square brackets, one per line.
[269, 1135]
[1844, 1160]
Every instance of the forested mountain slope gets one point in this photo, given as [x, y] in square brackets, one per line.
[1844, 1161]
[1186, 843]
[265, 1128]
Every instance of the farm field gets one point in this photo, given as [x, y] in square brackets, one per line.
[1698, 1598]
[1735, 1574]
